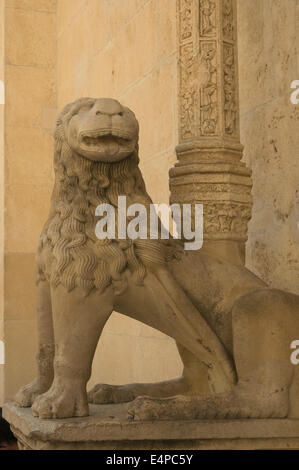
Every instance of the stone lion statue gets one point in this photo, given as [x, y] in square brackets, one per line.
[233, 332]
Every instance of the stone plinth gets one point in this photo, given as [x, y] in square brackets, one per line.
[107, 428]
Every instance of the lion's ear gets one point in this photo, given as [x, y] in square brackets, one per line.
[62, 118]
[66, 109]
[59, 131]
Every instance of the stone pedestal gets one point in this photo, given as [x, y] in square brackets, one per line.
[107, 428]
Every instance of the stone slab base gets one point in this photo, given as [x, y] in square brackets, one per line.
[108, 429]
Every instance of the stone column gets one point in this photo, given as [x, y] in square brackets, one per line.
[209, 168]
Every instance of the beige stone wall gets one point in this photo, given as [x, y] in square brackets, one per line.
[268, 63]
[30, 73]
[127, 50]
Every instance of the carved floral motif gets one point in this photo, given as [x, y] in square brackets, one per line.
[224, 218]
[228, 20]
[188, 93]
[209, 110]
[187, 98]
[208, 91]
[185, 7]
[229, 88]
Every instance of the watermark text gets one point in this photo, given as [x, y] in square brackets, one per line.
[136, 222]
[295, 353]
[295, 94]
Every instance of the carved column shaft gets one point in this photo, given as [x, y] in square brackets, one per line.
[209, 168]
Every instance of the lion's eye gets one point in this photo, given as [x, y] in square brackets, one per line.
[121, 113]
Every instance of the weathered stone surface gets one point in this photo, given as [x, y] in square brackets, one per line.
[108, 428]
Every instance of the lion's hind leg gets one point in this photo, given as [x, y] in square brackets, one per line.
[194, 381]
[103, 394]
[220, 406]
[261, 335]
[263, 325]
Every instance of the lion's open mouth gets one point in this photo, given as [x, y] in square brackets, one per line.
[94, 140]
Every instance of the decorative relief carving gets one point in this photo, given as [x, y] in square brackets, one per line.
[187, 93]
[222, 219]
[229, 88]
[208, 88]
[228, 20]
[200, 84]
[185, 8]
[204, 188]
[207, 18]
[226, 218]
[208, 74]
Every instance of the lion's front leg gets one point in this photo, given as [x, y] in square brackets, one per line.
[78, 323]
[45, 355]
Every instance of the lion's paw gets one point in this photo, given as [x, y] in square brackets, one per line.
[61, 401]
[104, 394]
[150, 409]
[27, 394]
[144, 409]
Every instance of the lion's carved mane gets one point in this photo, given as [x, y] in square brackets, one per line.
[69, 252]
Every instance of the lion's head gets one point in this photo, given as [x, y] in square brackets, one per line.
[96, 160]
[101, 130]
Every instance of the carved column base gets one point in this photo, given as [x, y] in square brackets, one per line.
[215, 177]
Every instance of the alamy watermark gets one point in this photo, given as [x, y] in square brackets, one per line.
[295, 354]
[136, 222]
[295, 94]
